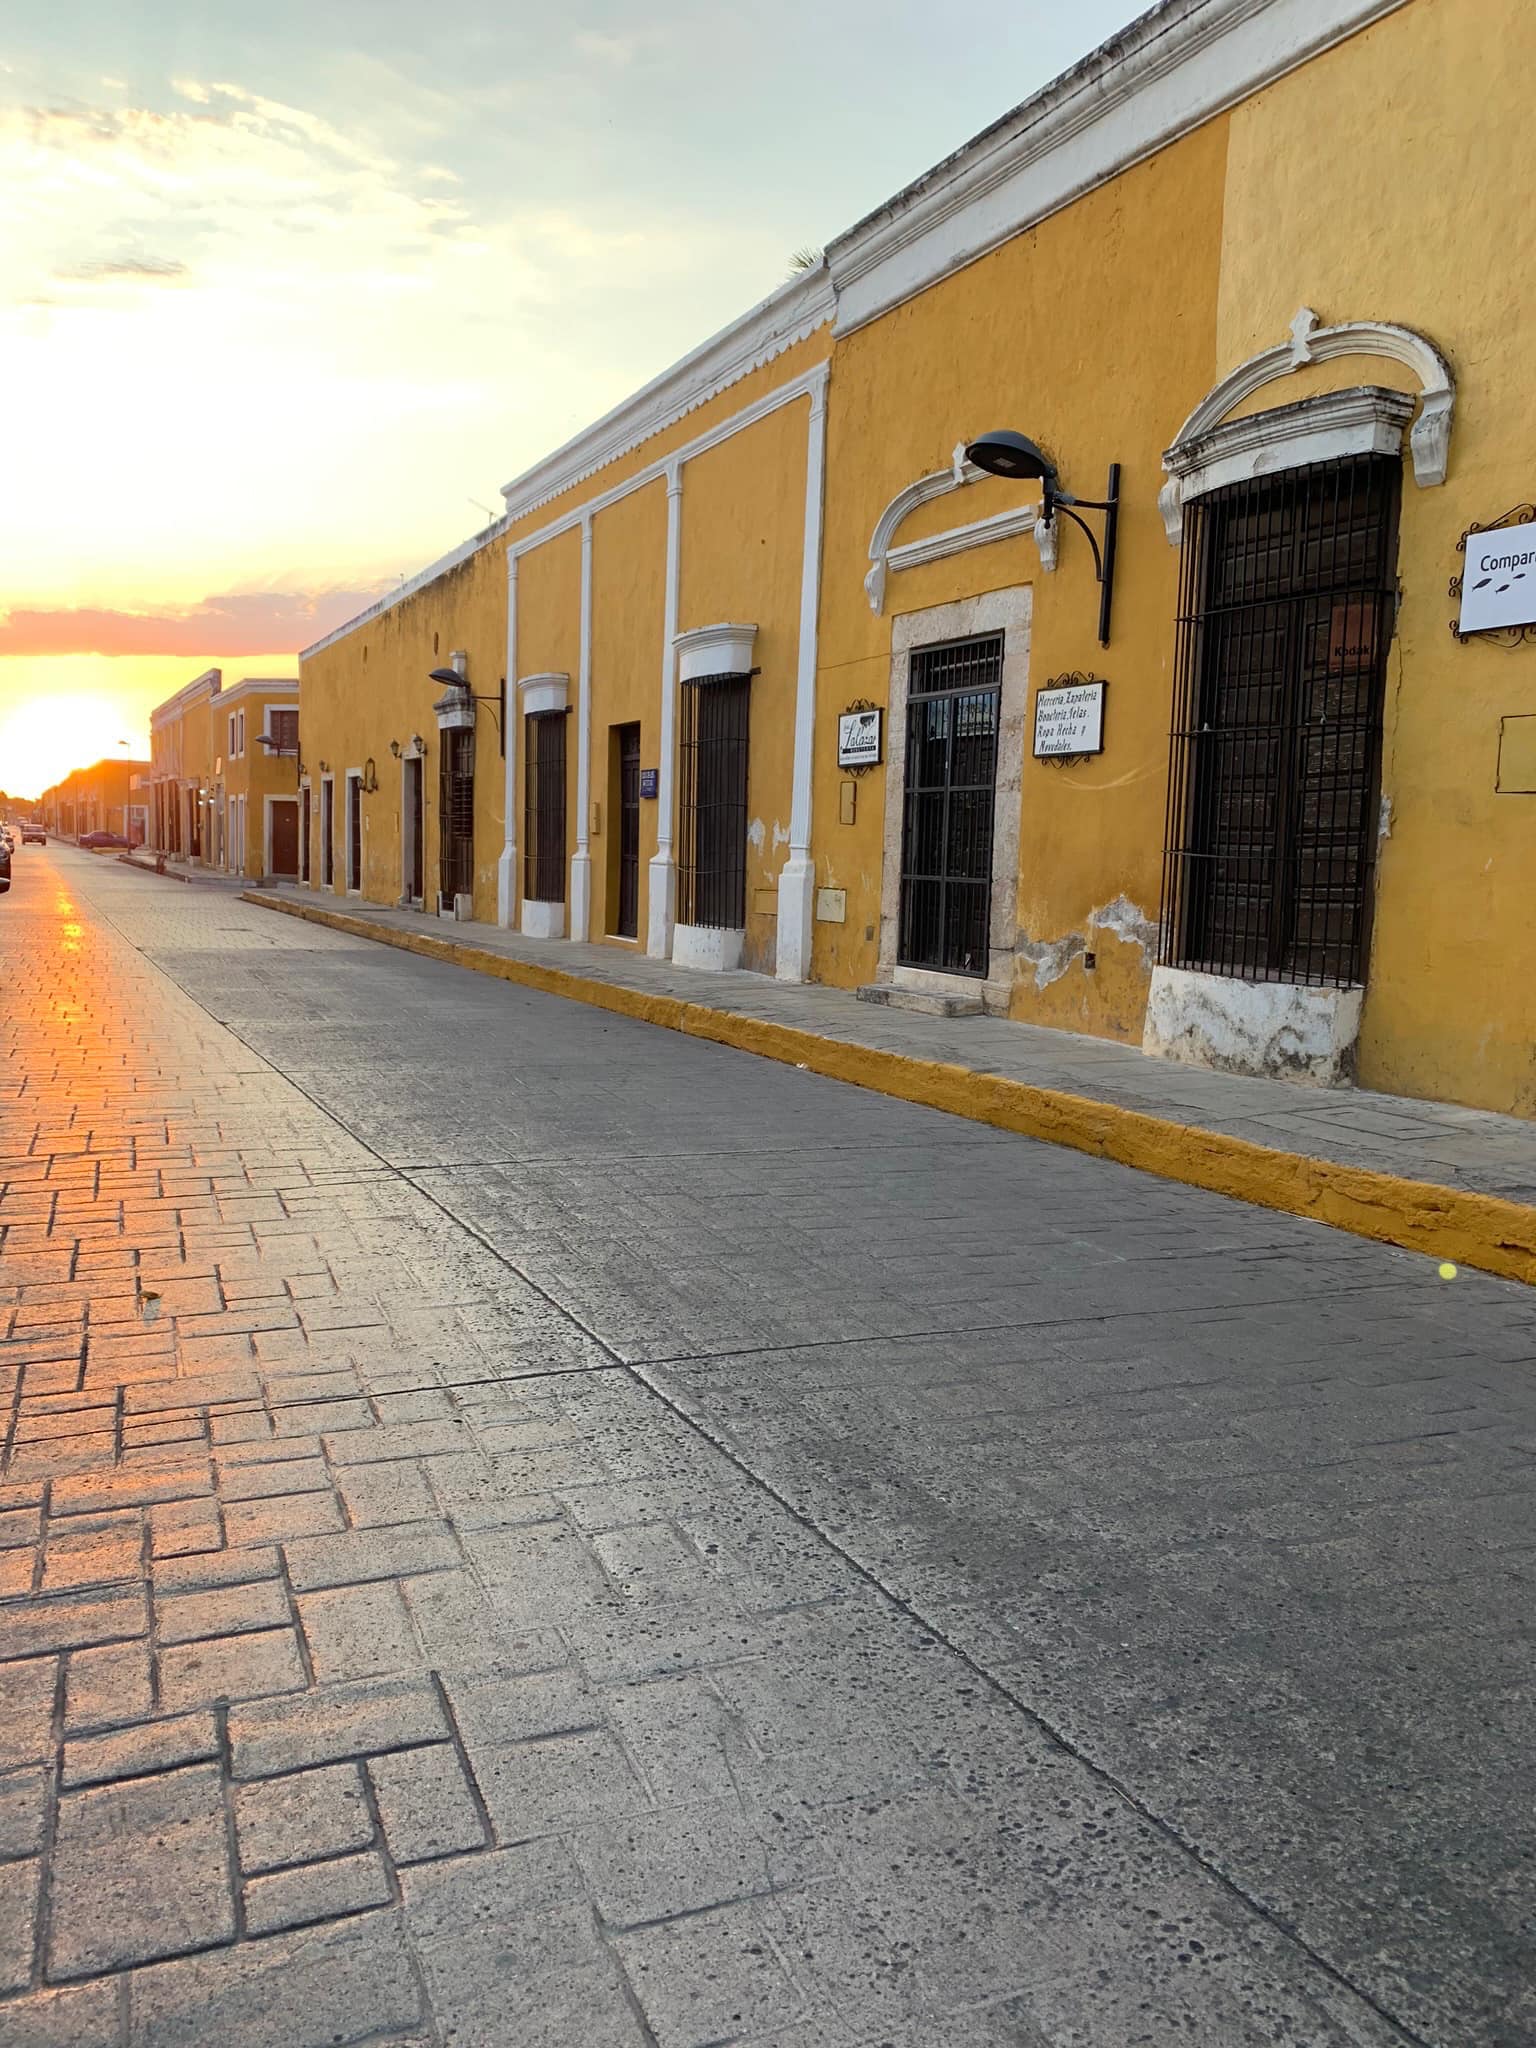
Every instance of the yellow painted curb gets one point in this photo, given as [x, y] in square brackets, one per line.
[1455, 1224]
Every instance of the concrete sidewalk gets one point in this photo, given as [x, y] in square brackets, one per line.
[1458, 1184]
[179, 870]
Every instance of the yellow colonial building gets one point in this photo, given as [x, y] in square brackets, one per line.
[224, 775]
[1051, 603]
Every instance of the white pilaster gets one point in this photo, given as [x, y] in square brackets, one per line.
[581, 859]
[797, 877]
[661, 896]
[506, 867]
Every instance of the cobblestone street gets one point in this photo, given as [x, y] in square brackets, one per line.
[523, 1530]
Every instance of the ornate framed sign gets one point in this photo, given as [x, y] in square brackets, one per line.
[859, 732]
[1498, 586]
[1069, 718]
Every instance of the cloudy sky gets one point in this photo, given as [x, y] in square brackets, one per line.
[289, 288]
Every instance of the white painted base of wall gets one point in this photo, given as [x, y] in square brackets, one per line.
[506, 888]
[581, 896]
[715, 948]
[459, 908]
[661, 902]
[1275, 1028]
[797, 906]
[543, 920]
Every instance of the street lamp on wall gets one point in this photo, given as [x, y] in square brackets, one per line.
[451, 679]
[1005, 453]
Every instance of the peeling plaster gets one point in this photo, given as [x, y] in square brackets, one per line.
[1122, 919]
[757, 833]
[780, 834]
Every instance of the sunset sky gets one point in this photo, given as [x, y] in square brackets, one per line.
[289, 289]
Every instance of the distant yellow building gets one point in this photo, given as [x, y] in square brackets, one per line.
[802, 665]
[225, 775]
[106, 797]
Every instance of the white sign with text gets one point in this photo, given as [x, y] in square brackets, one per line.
[1499, 587]
[1069, 719]
[858, 739]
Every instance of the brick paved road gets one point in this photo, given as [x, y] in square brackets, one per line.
[521, 1529]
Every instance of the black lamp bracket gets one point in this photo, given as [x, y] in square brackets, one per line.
[1054, 500]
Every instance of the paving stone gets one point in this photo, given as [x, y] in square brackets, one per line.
[91, 1492]
[318, 1891]
[334, 1722]
[93, 1558]
[184, 1528]
[383, 1494]
[358, 1632]
[106, 1687]
[425, 1804]
[19, 1889]
[83, 2016]
[140, 1870]
[302, 1818]
[200, 1572]
[264, 1481]
[651, 1867]
[554, 1783]
[221, 1611]
[23, 1807]
[73, 1621]
[241, 1667]
[362, 1554]
[285, 1519]
[327, 1988]
[709, 1978]
[150, 1746]
[27, 1694]
[480, 1923]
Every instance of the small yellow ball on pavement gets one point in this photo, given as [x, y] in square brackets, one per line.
[1447, 1271]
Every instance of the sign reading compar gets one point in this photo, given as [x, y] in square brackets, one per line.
[1069, 719]
[858, 739]
[1499, 587]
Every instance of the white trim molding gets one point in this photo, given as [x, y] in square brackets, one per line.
[550, 691]
[886, 558]
[719, 650]
[506, 862]
[797, 877]
[661, 879]
[580, 892]
[1314, 429]
[787, 316]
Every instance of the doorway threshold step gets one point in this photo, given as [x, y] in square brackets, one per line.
[924, 1001]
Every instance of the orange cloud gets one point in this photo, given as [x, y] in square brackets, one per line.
[240, 621]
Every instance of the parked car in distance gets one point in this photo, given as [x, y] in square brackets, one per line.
[5, 868]
[101, 839]
[33, 835]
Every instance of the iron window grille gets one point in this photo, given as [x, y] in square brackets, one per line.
[712, 834]
[628, 924]
[949, 795]
[354, 832]
[544, 808]
[456, 813]
[1285, 615]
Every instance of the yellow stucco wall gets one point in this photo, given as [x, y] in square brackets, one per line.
[629, 550]
[1430, 226]
[743, 518]
[371, 688]
[1094, 334]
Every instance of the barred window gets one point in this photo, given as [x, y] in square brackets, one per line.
[544, 808]
[1285, 615]
[712, 863]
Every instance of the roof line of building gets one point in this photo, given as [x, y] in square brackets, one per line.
[1169, 71]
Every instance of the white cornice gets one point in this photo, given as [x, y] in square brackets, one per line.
[789, 315]
[206, 685]
[411, 586]
[1177, 66]
[266, 686]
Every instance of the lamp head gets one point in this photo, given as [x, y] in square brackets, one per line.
[450, 676]
[1005, 453]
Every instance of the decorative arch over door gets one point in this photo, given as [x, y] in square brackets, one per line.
[885, 557]
[1429, 439]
